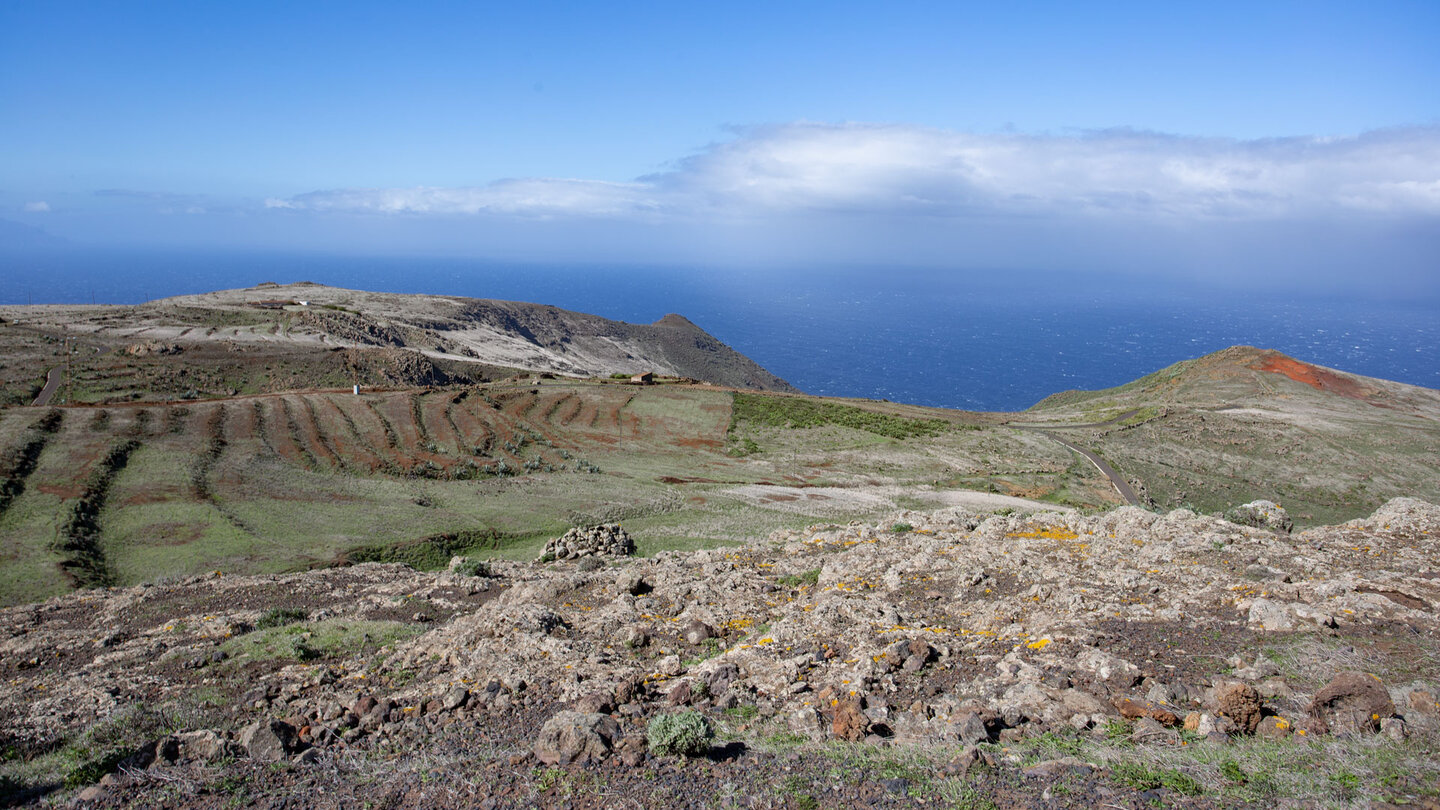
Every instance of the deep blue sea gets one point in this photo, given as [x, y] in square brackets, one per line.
[982, 341]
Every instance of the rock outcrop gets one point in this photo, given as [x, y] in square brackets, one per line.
[603, 540]
[967, 629]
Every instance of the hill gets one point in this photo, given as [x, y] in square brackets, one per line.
[276, 337]
[1211, 432]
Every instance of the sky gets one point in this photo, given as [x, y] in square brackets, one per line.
[1235, 142]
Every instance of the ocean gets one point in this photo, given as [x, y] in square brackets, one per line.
[978, 341]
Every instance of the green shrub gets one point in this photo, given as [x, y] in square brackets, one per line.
[475, 568]
[1233, 772]
[1139, 776]
[428, 553]
[902, 528]
[744, 713]
[796, 580]
[683, 733]
[279, 617]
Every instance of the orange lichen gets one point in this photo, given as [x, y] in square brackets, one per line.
[1047, 533]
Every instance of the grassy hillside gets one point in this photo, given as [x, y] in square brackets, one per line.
[1245, 423]
[278, 482]
[127, 492]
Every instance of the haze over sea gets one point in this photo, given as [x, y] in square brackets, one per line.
[929, 337]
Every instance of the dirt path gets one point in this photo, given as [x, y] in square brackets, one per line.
[52, 384]
[1116, 480]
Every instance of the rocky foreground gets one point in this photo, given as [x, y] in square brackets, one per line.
[945, 659]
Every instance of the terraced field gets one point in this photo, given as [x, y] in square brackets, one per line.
[267, 483]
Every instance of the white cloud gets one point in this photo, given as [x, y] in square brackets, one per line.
[37, 207]
[912, 171]
[539, 197]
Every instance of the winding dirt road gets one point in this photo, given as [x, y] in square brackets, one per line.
[1116, 479]
[52, 384]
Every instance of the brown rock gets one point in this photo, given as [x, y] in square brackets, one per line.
[849, 722]
[454, 698]
[626, 692]
[1241, 703]
[970, 759]
[698, 631]
[268, 740]
[896, 654]
[1351, 703]
[971, 729]
[595, 703]
[1394, 728]
[681, 695]
[721, 677]
[1192, 721]
[1273, 727]
[1134, 710]
[202, 745]
[576, 737]
[631, 751]
[1149, 730]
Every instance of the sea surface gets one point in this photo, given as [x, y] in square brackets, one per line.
[959, 339]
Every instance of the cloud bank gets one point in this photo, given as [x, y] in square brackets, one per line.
[909, 172]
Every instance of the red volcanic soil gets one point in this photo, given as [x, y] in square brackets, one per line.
[1317, 378]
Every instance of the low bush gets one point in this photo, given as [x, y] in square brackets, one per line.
[475, 568]
[796, 580]
[279, 617]
[683, 734]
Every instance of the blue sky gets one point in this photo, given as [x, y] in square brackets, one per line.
[1290, 140]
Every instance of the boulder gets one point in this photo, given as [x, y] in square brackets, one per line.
[454, 698]
[849, 722]
[1272, 616]
[697, 631]
[1261, 515]
[580, 737]
[1351, 703]
[970, 729]
[1273, 727]
[1241, 703]
[205, 745]
[269, 740]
